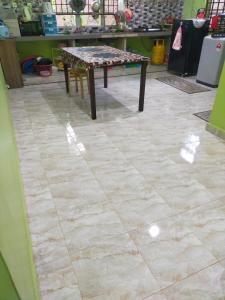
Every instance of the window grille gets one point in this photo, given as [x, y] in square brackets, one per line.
[215, 7]
[61, 7]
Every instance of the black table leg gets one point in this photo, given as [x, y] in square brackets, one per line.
[142, 85]
[91, 79]
[105, 77]
[65, 67]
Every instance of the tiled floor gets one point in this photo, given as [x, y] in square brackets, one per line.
[130, 206]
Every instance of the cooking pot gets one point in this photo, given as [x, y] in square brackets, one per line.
[77, 5]
[95, 6]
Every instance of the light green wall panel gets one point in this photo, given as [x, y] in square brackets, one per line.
[217, 118]
[39, 48]
[191, 7]
[7, 288]
[140, 45]
[15, 245]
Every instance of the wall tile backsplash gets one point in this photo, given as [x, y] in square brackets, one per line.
[150, 13]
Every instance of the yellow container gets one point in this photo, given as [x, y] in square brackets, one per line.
[158, 52]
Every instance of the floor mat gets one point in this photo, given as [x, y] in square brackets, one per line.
[204, 115]
[182, 84]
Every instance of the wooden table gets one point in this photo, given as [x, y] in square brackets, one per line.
[103, 57]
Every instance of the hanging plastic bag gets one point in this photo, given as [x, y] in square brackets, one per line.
[177, 44]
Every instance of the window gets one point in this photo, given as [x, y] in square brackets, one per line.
[215, 7]
[61, 7]
[66, 17]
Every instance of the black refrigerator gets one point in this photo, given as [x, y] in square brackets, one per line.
[185, 61]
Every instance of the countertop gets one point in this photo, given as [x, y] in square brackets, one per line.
[96, 35]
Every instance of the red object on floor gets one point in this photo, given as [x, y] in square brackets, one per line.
[44, 70]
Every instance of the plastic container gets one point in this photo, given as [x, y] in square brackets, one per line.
[43, 70]
[132, 66]
[27, 64]
[49, 24]
[30, 28]
[158, 52]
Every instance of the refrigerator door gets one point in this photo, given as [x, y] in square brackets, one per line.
[211, 61]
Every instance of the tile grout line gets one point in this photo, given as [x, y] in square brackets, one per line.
[184, 279]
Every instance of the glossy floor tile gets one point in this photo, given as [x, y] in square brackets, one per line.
[208, 284]
[130, 206]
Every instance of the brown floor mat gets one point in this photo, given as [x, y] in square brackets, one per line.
[182, 84]
[204, 115]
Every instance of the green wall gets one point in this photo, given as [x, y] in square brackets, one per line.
[15, 245]
[39, 48]
[191, 7]
[7, 288]
[140, 45]
[217, 118]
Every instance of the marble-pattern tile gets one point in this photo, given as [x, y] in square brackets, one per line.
[71, 293]
[185, 194]
[58, 280]
[157, 168]
[127, 207]
[209, 284]
[49, 251]
[214, 182]
[178, 188]
[208, 224]
[77, 192]
[141, 211]
[63, 172]
[127, 181]
[45, 227]
[171, 251]
[120, 276]
[96, 217]
[158, 296]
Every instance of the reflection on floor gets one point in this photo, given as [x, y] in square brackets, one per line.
[130, 206]
[58, 76]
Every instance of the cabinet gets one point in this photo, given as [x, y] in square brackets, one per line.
[10, 64]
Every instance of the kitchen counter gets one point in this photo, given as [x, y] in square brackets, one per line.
[94, 35]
